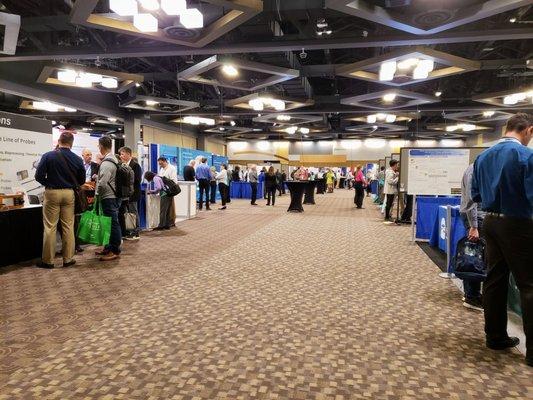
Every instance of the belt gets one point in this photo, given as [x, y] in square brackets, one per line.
[492, 214]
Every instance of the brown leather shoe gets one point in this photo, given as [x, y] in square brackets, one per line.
[101, 252]
[109, 257]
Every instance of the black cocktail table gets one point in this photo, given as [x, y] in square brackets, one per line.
[321, 186]
[310, 192]
[297, 191]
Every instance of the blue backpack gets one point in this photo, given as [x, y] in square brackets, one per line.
[469, 261]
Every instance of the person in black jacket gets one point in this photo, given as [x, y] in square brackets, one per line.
[189, 174]
[271, 185]
[131, 206]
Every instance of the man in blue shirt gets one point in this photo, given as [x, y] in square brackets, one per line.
[59, 171]
[203, 175]
[503, 184]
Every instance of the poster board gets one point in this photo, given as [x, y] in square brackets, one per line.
[82, 141]
[435, 171]
[23, 142]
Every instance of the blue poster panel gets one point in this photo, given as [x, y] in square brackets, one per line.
[218, 161]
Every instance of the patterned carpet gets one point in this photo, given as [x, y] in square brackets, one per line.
[252, 303]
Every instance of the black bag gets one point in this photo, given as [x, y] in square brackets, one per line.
[124, 181]
[80, 199]
[171, 188]
[469, 261]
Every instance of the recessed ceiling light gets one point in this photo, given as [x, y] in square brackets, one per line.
[151, 102]
[408, 63]
[124, 8]
[70, 109]
[512, 20]
[438, 93]
[230, 70]
[283, 117]
[145, 22]
[110, 83]
[232, 123]
[67, 76]
[192, 18]
[304, 130]
[387, 71]
[112, 119]
[389, 97]
[488, 114]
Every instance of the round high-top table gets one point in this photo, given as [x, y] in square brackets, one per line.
[297, 191]
[310, 192]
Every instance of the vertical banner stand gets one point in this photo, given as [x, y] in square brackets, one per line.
[448, 274]
[413, 220]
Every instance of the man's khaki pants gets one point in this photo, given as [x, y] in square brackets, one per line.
[58, 206]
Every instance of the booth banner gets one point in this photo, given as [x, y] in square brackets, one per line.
[81, 141]
[436, 171]
[186, 155]
[218, 161]
[23, 142]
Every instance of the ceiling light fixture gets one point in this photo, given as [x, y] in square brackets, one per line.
[232, 123]
[389, 97]
[173, 7]
[151, 103]
[512, 20]
[438, 93]
[488, 114]
[291, 130]
[67, 76]
[150, 5]
[230, 70]
[193, 120]
[390, 118]
[111, 119]
[82, 81]
[371, 118]
[305, 131]
[70, 109]
[110, 83]
[145, 22]
[283, 117]
[124, 8]
[192, 18]
[387, 71]
[408, 63]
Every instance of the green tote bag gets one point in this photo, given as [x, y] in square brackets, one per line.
[95, 227]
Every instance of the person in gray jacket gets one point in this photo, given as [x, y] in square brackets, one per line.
[252, 178]
[105, 190]
[472, 217]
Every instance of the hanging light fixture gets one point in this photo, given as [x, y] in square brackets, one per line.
[192, 18]
[145, 22]
[124, 8]
[150, 5]
[387, 70]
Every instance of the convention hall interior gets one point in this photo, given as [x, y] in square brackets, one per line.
[266, 199]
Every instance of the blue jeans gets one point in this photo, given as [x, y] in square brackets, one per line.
[110, 208]
[472, 288]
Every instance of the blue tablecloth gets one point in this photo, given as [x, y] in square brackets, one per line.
[375, 188]
[457, 230]
[427, 209]
[243, 190]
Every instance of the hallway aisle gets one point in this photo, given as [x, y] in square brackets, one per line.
[252, 303]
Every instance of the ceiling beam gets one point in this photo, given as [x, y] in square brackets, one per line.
[281, 45]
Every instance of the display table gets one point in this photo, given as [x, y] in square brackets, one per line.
[455, 229]
[427, 209]
[22, 234]
[185, 202]
[310, 192]
[297, 191]
[243, 190]
[184, 205]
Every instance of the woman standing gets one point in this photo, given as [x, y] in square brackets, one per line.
[213, 185]
[330, 180]
[359, 184]
[271, 185]
[223, 185]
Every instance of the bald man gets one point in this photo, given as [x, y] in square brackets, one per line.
[91, 168]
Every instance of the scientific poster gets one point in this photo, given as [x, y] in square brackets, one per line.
[23, 141]
[436, 171]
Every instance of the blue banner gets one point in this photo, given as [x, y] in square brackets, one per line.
[218, 161]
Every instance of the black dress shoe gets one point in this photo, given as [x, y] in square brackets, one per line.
[503, 344]
[159, 228]
[68, 264]
[44, 265]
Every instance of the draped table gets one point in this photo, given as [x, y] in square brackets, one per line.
[310, 192]
[297, 191]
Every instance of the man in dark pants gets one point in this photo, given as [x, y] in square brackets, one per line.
[391, 186]
[472, 218]
[188, 172]
[503, 183]
[252, 178]
[203, 175]
[131, 205]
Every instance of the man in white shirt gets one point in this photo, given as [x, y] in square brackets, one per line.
[167, 170]
[391, 186]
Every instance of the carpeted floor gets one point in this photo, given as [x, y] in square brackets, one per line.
[252, 303]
